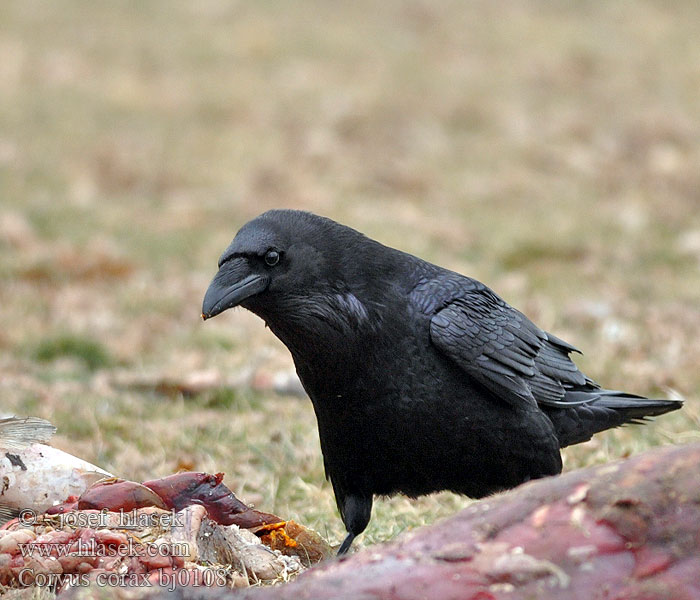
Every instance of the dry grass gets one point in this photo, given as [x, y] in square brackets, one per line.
[550, 150]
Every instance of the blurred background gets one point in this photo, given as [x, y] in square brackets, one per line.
[549, 149]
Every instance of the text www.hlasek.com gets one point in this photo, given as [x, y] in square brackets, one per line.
[94, 548]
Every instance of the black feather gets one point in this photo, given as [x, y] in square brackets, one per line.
[422, 379]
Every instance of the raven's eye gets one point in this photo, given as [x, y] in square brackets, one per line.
[272, 258]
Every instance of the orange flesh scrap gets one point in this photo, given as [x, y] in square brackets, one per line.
[277, 533]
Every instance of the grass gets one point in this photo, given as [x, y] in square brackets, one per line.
[552, 154]
[91, 353]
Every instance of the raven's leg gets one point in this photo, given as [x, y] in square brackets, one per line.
[345, 546]
[355, 511]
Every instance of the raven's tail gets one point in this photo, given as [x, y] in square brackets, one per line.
[597, 410]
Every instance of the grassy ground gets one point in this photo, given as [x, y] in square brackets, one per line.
[548, 149]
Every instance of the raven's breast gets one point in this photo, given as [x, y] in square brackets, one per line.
[410, 421]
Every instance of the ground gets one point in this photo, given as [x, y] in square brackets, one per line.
[548, 149]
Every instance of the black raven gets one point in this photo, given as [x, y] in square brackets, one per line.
[422, 379]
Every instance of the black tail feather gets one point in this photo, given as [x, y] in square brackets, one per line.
[605, 410]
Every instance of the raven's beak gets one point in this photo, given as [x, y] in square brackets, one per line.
[233, 284]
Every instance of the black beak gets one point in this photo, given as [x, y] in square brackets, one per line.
[233, 284]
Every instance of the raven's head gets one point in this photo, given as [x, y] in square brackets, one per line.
[294, 269]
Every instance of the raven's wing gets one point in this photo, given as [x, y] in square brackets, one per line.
[505, 351]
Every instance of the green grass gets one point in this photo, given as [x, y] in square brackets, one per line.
[91, 353]
[552, 154]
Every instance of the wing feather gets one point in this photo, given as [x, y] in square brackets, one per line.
[505, 351]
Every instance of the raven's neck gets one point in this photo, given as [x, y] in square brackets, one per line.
[324, 339]
[334, 335]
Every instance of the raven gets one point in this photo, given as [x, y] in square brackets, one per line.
[421, 379]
